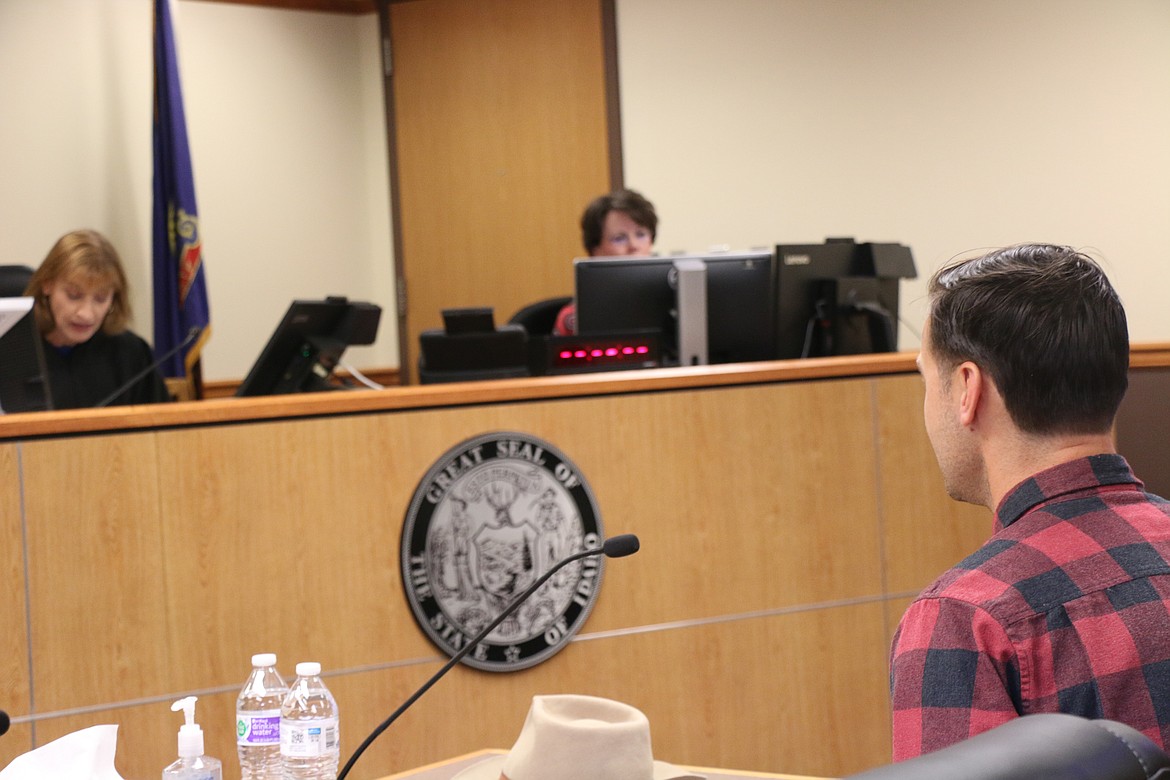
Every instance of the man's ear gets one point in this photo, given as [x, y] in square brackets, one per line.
[972, 386]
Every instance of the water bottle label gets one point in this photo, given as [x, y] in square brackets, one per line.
[308, 738]
[261, 727]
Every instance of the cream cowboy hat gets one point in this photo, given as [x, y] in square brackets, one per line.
[571, 737]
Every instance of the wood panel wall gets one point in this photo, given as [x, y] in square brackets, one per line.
[14, 656]
[328, 6]
[784, 525]
[501, 138]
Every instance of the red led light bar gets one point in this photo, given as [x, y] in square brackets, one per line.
[577, 354]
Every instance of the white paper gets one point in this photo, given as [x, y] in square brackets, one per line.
[83, 755]
[11, 310]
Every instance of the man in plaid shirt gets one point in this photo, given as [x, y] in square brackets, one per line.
[1066, 608]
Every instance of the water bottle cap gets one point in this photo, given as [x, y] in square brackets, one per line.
[308, 669]
[261, 660]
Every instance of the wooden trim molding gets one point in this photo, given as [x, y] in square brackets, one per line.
[1153, 355]
[391, 123]
[215, 411]
[326, 6]
[219, 409]
[613, 98]
[226, 388]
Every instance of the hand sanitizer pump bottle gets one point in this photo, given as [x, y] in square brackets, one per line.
[191, 764]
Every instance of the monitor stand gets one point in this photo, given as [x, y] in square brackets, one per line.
[691, 305]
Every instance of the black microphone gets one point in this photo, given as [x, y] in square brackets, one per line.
[615, 547]
[191, 336]
[619, 546]
[4, 723]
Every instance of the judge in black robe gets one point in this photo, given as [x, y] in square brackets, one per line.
[82, 310]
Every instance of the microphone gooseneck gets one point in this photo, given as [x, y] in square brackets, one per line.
[191, 335]
[614, 547]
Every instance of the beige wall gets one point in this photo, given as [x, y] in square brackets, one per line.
[943, 125]
[284, 111]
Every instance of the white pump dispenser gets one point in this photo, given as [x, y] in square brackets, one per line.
[190, 735]
[192, 764]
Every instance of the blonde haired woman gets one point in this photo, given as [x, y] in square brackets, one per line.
[82, 310]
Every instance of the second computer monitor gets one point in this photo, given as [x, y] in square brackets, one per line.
[839, 297]
[308, 343]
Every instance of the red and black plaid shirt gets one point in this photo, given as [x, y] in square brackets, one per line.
[1065, 609]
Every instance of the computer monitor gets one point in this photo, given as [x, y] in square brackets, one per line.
[308, 343]
[740, 307]
[627, 295]
[618, 296]
[24, 382]
[839, 297]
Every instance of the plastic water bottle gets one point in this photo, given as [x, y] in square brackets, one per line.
[258, 720]
[310, 743]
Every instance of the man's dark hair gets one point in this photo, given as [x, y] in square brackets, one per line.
[632, 203]
[1046, 325]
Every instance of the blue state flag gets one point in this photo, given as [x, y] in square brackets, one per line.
[180, 280]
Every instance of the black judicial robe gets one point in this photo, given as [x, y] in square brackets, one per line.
[84, 375]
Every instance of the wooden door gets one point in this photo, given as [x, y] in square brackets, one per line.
[501, 132]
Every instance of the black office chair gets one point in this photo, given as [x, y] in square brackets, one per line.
[13, 280]
[470, 346]
[1046, 746]
[538, 320]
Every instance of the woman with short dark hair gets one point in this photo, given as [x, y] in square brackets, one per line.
[622, 223]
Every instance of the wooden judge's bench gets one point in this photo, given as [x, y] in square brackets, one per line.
[788, 511]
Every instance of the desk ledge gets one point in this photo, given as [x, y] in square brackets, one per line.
[233, 410]
[280, 407]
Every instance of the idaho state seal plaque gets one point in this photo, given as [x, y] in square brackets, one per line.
[491, 516]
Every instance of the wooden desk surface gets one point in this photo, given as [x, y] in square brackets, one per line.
[304, 405]
[444, 770]
[217, 411]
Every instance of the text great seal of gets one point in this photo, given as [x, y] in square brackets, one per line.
[491, 516]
